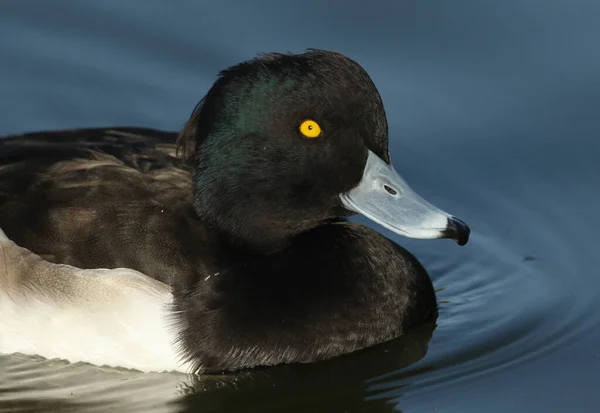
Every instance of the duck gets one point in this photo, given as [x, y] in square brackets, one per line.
[224, 246]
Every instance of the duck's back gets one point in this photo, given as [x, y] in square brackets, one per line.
[99, 198]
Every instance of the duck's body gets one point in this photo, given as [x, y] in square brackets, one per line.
[244, 235]
[288, 308]
[116, 317]
[103, 198]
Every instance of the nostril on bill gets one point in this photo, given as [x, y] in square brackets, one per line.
[390, 190]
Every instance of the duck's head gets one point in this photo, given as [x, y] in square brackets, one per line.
[286, 142]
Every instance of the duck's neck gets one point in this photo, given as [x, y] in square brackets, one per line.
[254, 233]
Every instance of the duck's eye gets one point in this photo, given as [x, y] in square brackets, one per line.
[310, 129]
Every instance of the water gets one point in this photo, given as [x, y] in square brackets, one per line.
[493, 116]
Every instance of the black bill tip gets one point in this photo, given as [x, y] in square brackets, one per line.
[458, 230]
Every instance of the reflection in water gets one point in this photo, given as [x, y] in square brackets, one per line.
[333, 386]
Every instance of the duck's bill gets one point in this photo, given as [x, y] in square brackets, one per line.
[384, 197]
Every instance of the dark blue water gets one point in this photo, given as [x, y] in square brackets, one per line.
[493, 109]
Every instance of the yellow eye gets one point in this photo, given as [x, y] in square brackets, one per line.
[310, 129]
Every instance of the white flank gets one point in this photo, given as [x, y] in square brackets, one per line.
[118, 318]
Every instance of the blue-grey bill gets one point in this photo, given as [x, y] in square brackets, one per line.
[385, 198]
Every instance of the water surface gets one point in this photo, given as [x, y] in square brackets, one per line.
[493, 113]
